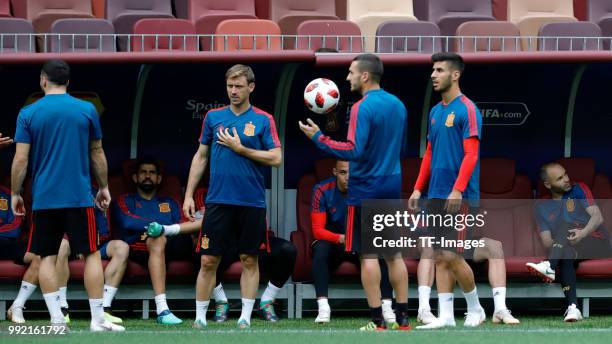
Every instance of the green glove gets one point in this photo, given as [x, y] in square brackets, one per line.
[154, 229]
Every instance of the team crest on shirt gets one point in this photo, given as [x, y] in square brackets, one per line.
[3, 204]
[249, 129]
[570, 205]
[205, 242]
[450, 119]
[164, 207]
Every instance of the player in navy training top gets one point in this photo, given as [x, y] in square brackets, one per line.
[243, 141]
[571, 227]
[57, 138]
[328, 218]
[132, 214]
[376, 137]
[451, 168]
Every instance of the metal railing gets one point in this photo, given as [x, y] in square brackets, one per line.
[63, 43]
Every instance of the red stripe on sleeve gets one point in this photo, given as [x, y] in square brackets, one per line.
[587, 193]
[126, 211]
[473, 123]
[425, 170]
[319, 231]
[10, 226]
[273, 130]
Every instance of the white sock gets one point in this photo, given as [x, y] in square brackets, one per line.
[219, 294]
[53, 304]
[499, 298]
[270, 293]
[63, 299]
[201, 308]
[445, 306]
[25, 291]
[109, 295]
[424, 295]
[172, 230]
[97, 311]
[473, 305]
[247, 309]
[323, 304]
[160, 303]
[387, 305]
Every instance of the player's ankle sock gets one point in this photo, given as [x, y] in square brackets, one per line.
[247, 309]
[97, 310]
[446, 306]
[401, 311]
[424, 295]
[219, 294]
[270, 293]
[53, 304]
[109, 295]
[499, 298]
[160, 303]
[201, 308]
[323, 304]
[471, 298]
[25, 291]
[62, 295]
[377, 315]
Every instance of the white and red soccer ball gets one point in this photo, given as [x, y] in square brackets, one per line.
[321, 96]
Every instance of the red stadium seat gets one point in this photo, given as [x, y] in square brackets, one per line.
[21, 42]
[5, 8]
[164, 30]
[341, 35]
[290, 14]
[170, 185]
[247, 35]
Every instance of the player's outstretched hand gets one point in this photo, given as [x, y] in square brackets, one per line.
[103, 198]
[413, 201]
[453, 202]
[17, 205]
[154, 229]
[5, 141]
[189, 208]
[310, 128]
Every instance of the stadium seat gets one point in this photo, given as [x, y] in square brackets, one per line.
[600, 13]
[449, 14]
[583, 170]
[23, 41]
[5, 8]
[341, 35]
[389, 37]
[530, 15]
[493, 30]
[369, 14]
[125, 13]
[247, 35]
[507, 199]
[207, 14]
[500, 9]
[557, 36]
[97, 7]
[163, 30]
[289, 14]
[42, 13]
[82, 35]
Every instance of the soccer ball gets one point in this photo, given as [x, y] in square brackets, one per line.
[321, 96]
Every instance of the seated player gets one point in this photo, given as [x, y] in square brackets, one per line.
[328, 217]
[133, 212]
[493, 253]
[14, 249]
[115, 250]
[571, 227]
[277, 264]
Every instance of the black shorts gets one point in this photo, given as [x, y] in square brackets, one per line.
[13, 249]
[449, 238]
[178, 247]
[226, 226]
[50, 225]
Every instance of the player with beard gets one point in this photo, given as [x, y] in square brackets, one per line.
[133, 212]
[571, 227]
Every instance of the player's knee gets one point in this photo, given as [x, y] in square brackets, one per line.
[495, 249]
[34, 262]
[156, 246]
[209, 263]
[121, 250]
[249, 262]
[64, 250]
